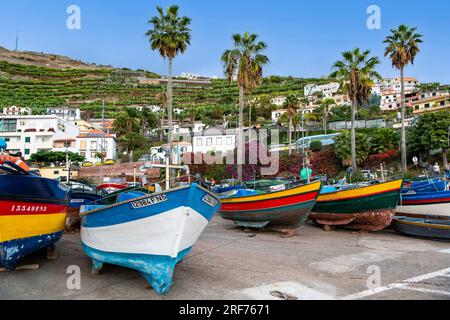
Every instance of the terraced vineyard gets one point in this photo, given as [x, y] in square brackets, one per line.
[41, 87]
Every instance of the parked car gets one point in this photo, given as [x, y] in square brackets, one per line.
[109, 162]
[87, 164]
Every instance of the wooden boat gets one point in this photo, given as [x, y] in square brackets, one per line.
[284, 208]
[365, 208]
[424, 186]
[425, 204]
[432, 227]
[77, 200]
[32, 213]
[150, 233]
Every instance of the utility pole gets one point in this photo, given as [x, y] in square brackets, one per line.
[17, 40]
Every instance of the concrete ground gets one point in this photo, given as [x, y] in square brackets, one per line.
[228, 263]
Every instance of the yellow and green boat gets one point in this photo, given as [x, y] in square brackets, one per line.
[361, 207]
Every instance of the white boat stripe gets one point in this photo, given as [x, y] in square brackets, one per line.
[156, 235]
[368, 293]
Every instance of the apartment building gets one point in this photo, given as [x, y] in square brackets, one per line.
[31, 134]
[91, 143]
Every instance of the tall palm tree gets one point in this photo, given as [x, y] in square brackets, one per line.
[170, 35]
[327, 104]
[356, 72]
[291, 105]
[402, 48]
[246, 62]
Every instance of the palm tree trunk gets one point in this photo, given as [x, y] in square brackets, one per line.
[240, 136]
[354, 165]
[403, 148]
[160, 125]
[170, 106]
[444, 158]
[290, 135]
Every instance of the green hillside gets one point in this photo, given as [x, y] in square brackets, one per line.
[41, 87]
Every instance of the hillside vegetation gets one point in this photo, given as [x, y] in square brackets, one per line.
[76, 84]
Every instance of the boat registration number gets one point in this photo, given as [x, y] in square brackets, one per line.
[209, 200]
[150, 201]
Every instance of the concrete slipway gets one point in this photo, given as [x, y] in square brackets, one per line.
[228, 263]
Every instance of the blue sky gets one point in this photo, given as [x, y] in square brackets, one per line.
[305, 37]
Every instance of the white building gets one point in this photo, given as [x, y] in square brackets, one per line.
[276, 115]
[394, 84]
[31, 134]
[192, 76]
[278, 101]
[214, 140]
[327, 90]
[89, 144]
[16, 111]
[65, 113]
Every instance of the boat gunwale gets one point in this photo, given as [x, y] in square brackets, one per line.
[274, 193]
[421, 224]
[84, 214]
[360, 188]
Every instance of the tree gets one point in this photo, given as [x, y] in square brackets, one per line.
[343, 148]
[402, 48]
[170, 35]
[356, 72]
[325, 107]
[148, 121]
[432, 133]
[291, 105]
[52, 156]
[246, 62]
[384, 139]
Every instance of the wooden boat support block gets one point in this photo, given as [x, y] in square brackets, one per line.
[29, 267]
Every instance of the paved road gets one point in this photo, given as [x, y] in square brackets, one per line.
[228, 263]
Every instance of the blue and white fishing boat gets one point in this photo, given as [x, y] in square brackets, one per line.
[425, 186]
[150, 233]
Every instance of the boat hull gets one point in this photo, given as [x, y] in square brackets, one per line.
[437, 228]
[32, 216]
[149, 234]
[368, 208]
[287, 208]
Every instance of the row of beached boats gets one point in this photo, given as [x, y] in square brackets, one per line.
[152, 230]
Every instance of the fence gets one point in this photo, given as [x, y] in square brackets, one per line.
[360, 124]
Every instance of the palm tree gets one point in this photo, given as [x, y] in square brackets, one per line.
[292, 105]
[327, 104]
[356, 72]
[402, 48]
[170, 35]
[246, 62]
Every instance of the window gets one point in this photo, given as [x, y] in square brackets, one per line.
[9, 125]
[209, 142]
[199, 142]
[93, 154]
[56, 172]
[229, 141]
[83, 145]
[427, 105]
[442, 103]
[93, 145]
[27, 151]
[219, 141]
[27, 139]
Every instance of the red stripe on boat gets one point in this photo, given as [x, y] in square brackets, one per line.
[269, 204]
[16, 208]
